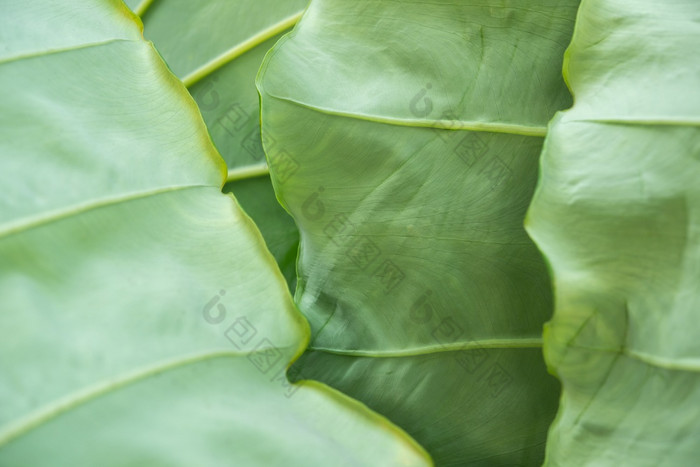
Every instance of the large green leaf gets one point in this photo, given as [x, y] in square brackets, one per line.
[216, 47]
[143, 321]
[404, 139]
[617, 213]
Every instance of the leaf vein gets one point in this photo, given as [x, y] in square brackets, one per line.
[519, 343]
[488, 127]
[76, 399]
[239, 49]
[47, 52]
[31, 222]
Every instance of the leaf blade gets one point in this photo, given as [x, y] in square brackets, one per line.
[147, 314]
[216, 48]
[619, 170]
[420, 154]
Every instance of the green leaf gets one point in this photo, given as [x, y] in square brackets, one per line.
[404, 139]
[281, 235]
[617, 215]
[143, 321]
[216, 47]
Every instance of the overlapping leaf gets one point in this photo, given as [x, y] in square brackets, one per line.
[143, 321]
[216, 48]
[617, 213]
[404, 139]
